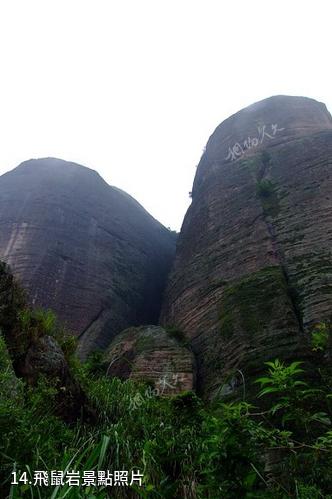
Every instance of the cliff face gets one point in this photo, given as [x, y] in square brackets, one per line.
[86, 250]
[253, 267]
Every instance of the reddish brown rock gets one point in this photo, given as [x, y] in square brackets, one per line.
[149, 353]
[86, 250]
[253, 268]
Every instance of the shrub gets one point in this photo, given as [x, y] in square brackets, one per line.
[184, 447]
[265, 188]
[320, 337]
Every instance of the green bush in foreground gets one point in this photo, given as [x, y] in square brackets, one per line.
[184, 447]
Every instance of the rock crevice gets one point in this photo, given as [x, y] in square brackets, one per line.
[251, 275]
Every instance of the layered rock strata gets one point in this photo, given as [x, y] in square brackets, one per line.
[152, 354]
[253, 267]
[86, 250]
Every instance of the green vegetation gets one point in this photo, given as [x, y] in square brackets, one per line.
[320, 337]
[250, 301]
[184, 447]
[265, 188]
[276, 446]
[35, 323]
[267, 193]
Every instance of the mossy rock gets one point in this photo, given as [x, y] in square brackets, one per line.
[152, 354]
[248, 303]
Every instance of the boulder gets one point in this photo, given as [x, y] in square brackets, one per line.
[154, 355]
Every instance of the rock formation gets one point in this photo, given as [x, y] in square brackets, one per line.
[151, 353]
[28, 355]
[253, 267]
[86, 250]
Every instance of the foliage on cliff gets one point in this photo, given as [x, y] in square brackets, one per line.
[277, 446]
[183, 447]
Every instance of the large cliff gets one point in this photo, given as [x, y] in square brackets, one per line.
[86, 250]
[253, 267]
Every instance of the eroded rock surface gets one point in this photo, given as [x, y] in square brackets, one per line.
[152, 354]
[253, 268]
[86, 250]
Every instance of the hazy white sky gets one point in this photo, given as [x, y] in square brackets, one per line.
[134, 88]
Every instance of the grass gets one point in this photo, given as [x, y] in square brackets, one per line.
[182, 446]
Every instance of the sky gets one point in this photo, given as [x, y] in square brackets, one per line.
[134, 88]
